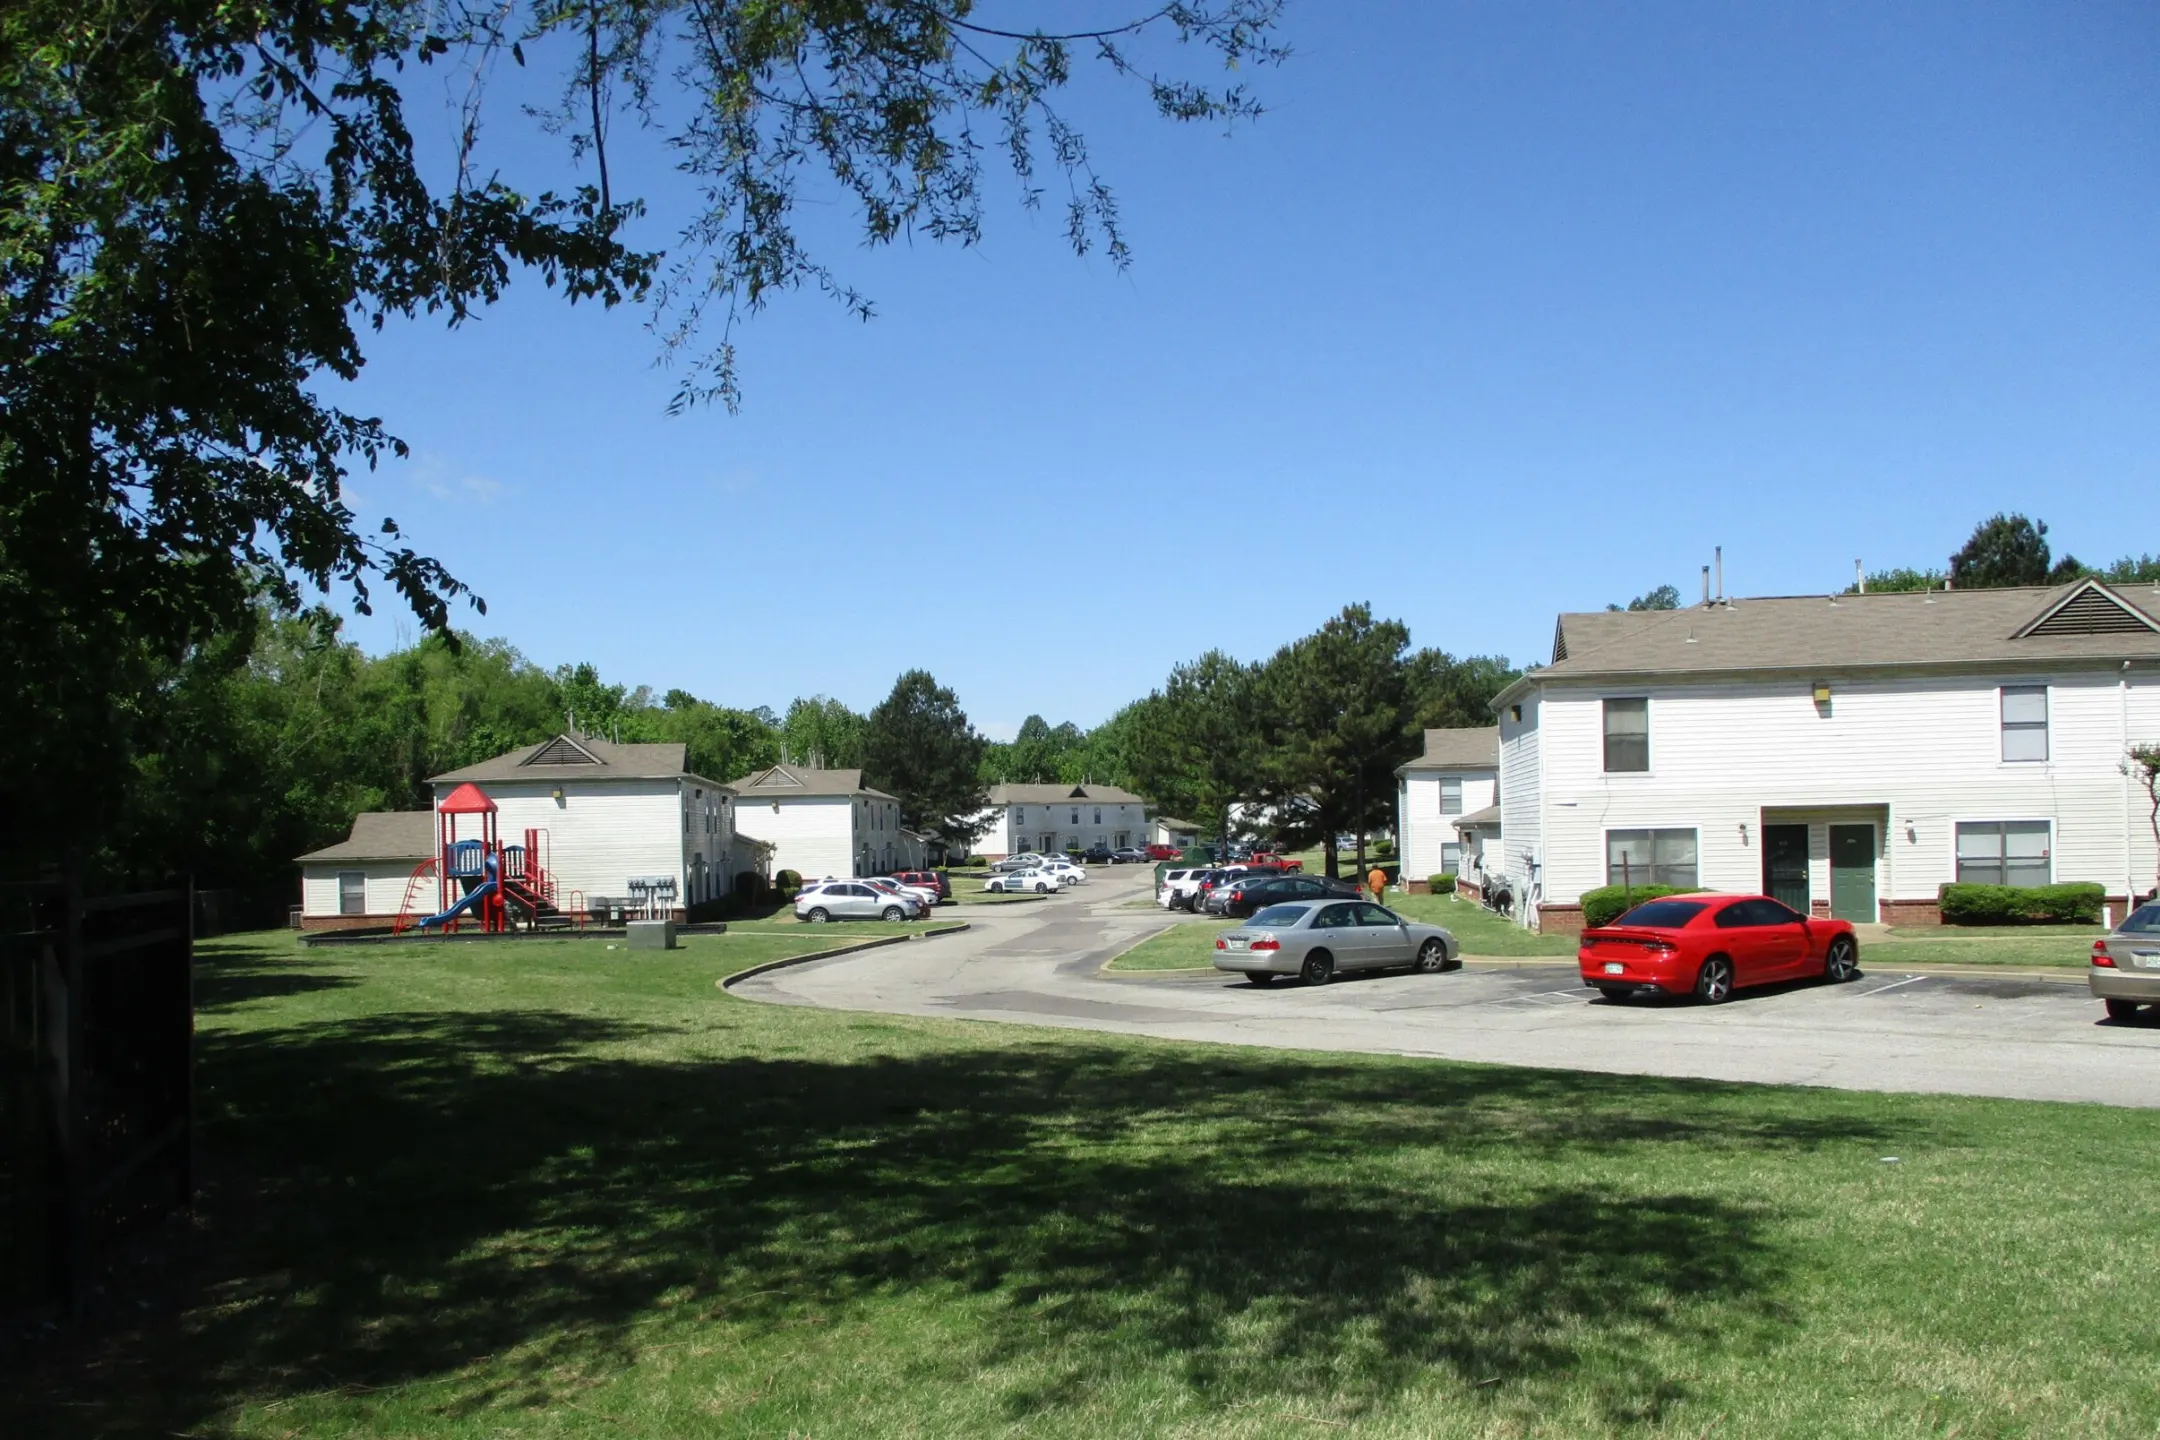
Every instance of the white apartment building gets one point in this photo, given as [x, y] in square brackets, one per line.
[1456, 777]
[1042, 818]
[1849, 754]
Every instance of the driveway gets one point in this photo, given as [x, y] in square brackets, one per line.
[2021, 1038]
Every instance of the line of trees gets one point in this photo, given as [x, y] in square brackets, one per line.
[2011, 549]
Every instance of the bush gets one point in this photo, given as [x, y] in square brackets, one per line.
[1608, 903]
[976, 862]
[749, 885]
[2074, 904]
[1383, 847]
[1440, 884]
[787, 882]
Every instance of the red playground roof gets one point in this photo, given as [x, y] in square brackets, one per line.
[467, 799]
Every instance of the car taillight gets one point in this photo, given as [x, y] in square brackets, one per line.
[1267, 944]
[1219, 943]
[2100, 955]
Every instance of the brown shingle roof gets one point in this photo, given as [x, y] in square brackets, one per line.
[1931, 628]
[383, 835]
[798, 782]
[580, 757]
[1061, 794]
[1469, 747]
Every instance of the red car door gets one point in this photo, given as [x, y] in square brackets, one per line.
[1753, 946]
[1789, 946]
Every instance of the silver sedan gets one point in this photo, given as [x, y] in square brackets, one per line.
[2126, 964]
[1315, 939]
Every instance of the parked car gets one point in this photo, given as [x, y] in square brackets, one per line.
[1066, 871]
[1017, 882]
[1176, 889]
[925, 895]
[1025, 861]
[2125, 969]
[1279, 860]
[1099, 855]
[1316, 939]
[1163, 852]
[1129, 855]
[933, 880]
[1257, 892]
[1712, 945]
[851, 900]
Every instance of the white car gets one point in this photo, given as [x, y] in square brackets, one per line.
[850, 900]
[1180, 888]
[928, 899]
[1066, 871]
[1020, 882]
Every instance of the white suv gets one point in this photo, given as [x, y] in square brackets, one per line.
[1180, 888]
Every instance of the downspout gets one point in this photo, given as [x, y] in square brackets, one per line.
[2122, 693]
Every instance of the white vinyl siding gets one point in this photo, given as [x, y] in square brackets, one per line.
[1425, 828]
[323, 888]
[1522, 805]
[2024, 722]
[601, 833]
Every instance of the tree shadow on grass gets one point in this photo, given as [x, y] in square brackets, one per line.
[229, 974]
[408, 1193]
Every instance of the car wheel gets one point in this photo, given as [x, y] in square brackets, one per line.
[1260, 978]
[1843, 961]
[818, 915]
[892, 913]
[1614, 992]
[1431, 958]
[1714, 982]
[1318, 969]
[2122, 1009]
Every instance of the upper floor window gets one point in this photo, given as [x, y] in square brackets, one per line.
[1076, 815]
[1451, 794]
[1627, 736]
[2024, 722]
[1019, 814]
[1098, 815]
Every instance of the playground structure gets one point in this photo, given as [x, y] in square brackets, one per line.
[479, 880]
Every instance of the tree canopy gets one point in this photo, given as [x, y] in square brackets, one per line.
[207, 202]
[919, 748]
[1664, 597]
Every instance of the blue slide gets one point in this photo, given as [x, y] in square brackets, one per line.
[479, 892]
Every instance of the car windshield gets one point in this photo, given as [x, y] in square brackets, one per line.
[1279, 915]
[2145, 920]
[1663, 914]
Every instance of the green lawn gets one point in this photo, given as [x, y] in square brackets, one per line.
[1480, 931]
[551, 1190]
[1955, 947]
[1187, 945]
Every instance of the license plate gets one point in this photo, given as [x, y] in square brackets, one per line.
[1235, 945]
[1614, 967]
[2145, 959]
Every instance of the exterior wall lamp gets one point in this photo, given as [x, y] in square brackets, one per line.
[1822, 692]
[558, 795]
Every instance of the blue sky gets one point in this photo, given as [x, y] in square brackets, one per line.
[1503, 310]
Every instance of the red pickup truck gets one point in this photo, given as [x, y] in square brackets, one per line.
[1268, 860]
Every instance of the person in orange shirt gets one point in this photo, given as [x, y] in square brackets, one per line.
[1377, 881]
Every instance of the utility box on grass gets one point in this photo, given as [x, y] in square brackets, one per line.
[651, 934]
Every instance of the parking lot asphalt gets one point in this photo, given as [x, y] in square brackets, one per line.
[2019, 1037]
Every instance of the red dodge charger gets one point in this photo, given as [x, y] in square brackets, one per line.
[1710, 945]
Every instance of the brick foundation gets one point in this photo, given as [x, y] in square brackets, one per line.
[1910, 912]
[1418, 887]
[1465, 890]
[1560, 920]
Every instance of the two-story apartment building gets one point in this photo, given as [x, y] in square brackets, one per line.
[1457, 777]
[1847, 753]
[1043, 818]
[825, 823]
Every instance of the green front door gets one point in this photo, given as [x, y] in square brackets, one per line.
[1785, 875]
[1852, 873]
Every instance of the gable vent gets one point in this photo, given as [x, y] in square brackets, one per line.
[1077, 794]
[562, 751]
[2090, 611]
[1559, 642]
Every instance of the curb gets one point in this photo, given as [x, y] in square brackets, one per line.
[1102, 971]
[727, 981]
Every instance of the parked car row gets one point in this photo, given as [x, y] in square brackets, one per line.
[1193, 887]
[1043, 877]
[867, 897]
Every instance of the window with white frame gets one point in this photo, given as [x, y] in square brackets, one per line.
[352, 892]
[1451, 794]
[2024, 722]
[1627, 736]
[1098, 814]
[1450, 858]
[1076, 815]
[2004, 852]
[1650, 857]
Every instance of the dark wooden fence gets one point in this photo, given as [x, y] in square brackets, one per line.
[97, 1021]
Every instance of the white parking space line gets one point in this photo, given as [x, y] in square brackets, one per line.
[1908, 980]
